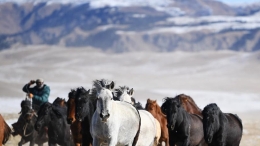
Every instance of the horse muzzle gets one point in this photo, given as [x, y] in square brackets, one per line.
[171, 126]
[104, 115]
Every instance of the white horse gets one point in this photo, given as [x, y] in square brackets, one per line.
[114, 123]
[148, 132]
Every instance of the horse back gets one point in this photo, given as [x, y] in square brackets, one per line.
[234, 129]
[237, 119]
[234, 122]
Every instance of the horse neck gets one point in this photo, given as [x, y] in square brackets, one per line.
[221, 120]
[125, 97]
[192, 108]
[91, 109]
[159, 111]
[181, 114]
[71, 109]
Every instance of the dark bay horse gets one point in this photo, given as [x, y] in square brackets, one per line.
[221, 128]
[85, 108]
[75, 125]
[184, 129]
[152, 107]
[5, 131]
[54, 116]
[25, 125]
[188, 104]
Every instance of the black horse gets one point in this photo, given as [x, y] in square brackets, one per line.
[25, 125]
[54, 116]
[221, 128]
[85, 108]
[184, 129]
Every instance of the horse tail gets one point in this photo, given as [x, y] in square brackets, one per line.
[138, 131]
[238, 119]
[7, 133]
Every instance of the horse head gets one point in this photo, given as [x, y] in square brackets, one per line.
[81, 102]
[170, 107]
[43, 116]
[125, 94]
[210, 121]
[71, 107]
[152, 106]
[26, 110]
[103, 90]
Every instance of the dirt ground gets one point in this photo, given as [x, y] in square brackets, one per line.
[251, 131]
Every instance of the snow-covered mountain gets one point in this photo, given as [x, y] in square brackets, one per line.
[131, 25]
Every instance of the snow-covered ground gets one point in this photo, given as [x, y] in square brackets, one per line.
[230, 79]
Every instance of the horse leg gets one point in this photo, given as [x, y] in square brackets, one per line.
[22, 141]
[96, 142]
[32, 143]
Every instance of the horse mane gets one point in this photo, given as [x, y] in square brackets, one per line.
[119, 91]
[72, 93]
[212, 107]
[43, 106]
[157, 107]
[7, 131]
[191, 101]
[99, 84]
[59, 108]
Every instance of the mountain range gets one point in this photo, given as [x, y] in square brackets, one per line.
[131, 25]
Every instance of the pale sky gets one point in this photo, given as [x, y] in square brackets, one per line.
[239, 1]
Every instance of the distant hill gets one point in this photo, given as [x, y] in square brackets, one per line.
[163, 25]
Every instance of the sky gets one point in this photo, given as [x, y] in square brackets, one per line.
[239, 1]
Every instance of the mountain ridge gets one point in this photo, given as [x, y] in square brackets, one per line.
[179, 25]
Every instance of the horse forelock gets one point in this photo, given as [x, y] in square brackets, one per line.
[72, 93]
[211, 108]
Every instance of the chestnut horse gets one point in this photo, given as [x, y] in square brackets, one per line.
[75, 125]
[152, 107]
[5, 131]
[188, 104]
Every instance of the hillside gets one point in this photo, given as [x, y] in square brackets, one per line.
[131, 25]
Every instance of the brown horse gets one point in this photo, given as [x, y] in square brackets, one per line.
[71, 119]
[188, 104]
[155, 110]
[5, 131]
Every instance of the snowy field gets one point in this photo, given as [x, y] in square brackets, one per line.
[230, 79]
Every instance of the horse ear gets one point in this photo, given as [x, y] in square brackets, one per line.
[131, 92]
[111, 85]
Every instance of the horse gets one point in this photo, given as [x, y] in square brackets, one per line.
[152, 107]
[85, 103]
[54, 117]
[114, 122]
[148, 130]
[130, 99]
[188, 104]
[75, 125]
[184, 128]
[221, 128]
[25, 125]
[5, 131]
